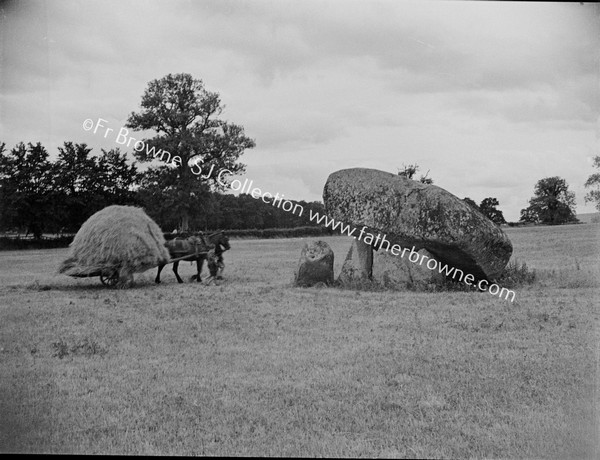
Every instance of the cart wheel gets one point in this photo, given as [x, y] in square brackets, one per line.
[111, 279]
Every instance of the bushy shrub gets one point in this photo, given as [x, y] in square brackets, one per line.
[516, 275]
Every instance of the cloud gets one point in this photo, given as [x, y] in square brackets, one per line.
[575, 104]
[466, 89]
[288, 130]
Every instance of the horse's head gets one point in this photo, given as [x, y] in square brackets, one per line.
[220, 239]
[225, 241]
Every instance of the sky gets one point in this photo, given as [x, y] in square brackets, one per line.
[486, 97]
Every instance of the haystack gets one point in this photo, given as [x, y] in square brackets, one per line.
[117, 238]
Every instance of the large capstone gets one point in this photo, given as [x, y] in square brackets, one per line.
[315, 265]
[412, 214]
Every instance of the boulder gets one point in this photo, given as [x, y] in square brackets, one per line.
[412, 214]
[388, 270]
[315, 265]
[400, 273]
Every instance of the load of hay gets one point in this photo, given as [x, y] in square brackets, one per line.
[119, 239]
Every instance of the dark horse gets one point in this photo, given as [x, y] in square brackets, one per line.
[198, 248]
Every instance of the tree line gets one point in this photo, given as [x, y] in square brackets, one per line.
[39, 196]
[551, 204]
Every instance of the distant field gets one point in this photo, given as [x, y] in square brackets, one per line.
[257, 367]
[589, 217]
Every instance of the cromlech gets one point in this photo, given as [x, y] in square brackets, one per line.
[422, 217]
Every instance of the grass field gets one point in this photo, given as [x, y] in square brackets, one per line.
[257, 367]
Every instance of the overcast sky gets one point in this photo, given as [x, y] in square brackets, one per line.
[489, 97]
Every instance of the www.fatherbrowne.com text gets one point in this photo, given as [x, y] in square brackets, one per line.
[413, 256]
[195, 165]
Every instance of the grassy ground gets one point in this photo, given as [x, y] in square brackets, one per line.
[257, 367]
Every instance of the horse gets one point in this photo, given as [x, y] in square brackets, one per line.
[194, 246]
[197, 247]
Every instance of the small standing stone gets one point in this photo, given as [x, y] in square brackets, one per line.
[358, 265]
[316, 265]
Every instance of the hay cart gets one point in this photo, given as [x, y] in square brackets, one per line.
[109, 275]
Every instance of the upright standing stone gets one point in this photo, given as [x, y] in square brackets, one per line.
[315, 265]
[358, 265]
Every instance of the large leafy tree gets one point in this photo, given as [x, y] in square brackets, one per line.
[488, 209]
[25, 189]
[552, 203]
[594, 181]
[184, 117]
[165, 198]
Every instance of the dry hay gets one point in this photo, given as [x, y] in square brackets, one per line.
[117, 238]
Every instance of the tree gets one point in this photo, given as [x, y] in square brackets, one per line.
[488, 209]
[161, 193]
[83, 183]
[470, 202]
[594, 180]
[38, 195]
[25, 188]
[553, 203]
[191, 139]
[409, 172]
[117, 177]
[529, 216]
